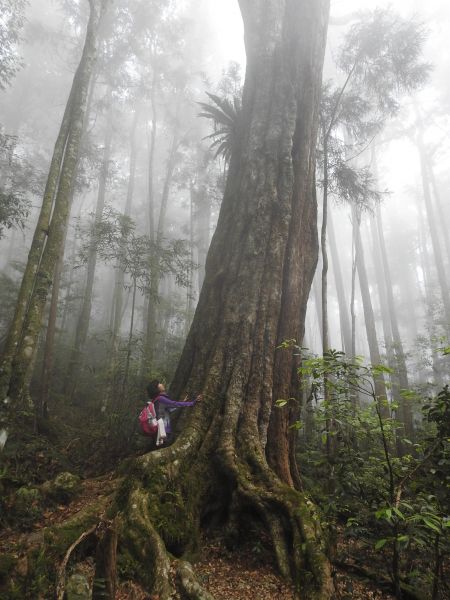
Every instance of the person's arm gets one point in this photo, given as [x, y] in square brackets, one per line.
[166, 401]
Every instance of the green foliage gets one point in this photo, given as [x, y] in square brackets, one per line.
[115, 240]
[64, 487]
[384, 52]
[380, 58]
[17, 180]
[8, 297]
[11, 23]
[224, 114]
[398, 503]
[26, 506]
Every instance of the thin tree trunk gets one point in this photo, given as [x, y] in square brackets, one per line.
[346, 331]
[85, 312]
[71, 262]
[190, 286]
[400, 361]
[130, 341]
[369, 318]
[120, 273]
[354, 395]
[151, 331]
[317, 293]
[323, 246]
[324, 309]
[151, 159]
[42, 404]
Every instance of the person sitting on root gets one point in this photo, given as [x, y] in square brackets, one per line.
[164, 405]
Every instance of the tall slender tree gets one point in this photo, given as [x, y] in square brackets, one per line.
[369, 317]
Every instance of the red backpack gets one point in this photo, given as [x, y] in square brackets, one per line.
[147, 420]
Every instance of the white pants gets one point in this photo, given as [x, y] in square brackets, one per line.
[161, 435]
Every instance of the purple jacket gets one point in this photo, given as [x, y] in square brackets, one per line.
[164, 406]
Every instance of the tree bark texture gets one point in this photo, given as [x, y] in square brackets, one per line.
[234, 459]
[64, 178]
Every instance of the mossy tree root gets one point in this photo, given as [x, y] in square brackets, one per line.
[168, 494]
[290, 518]
[39, 560]
[148, 548]
[189, 583]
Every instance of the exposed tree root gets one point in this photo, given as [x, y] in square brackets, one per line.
[189, 584]
[164, 501]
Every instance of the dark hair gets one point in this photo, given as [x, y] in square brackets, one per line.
[152, 389]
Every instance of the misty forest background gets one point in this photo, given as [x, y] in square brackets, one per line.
[162, 109]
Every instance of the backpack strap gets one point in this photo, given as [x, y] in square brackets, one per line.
[151, 413]
[156, 406]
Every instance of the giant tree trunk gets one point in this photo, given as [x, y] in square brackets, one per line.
[233, 461]
[49, 231]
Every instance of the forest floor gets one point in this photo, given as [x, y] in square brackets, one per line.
[246, 573]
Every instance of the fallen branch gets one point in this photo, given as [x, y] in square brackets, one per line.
[60, 586]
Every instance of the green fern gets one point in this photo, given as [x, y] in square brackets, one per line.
[224, 114]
